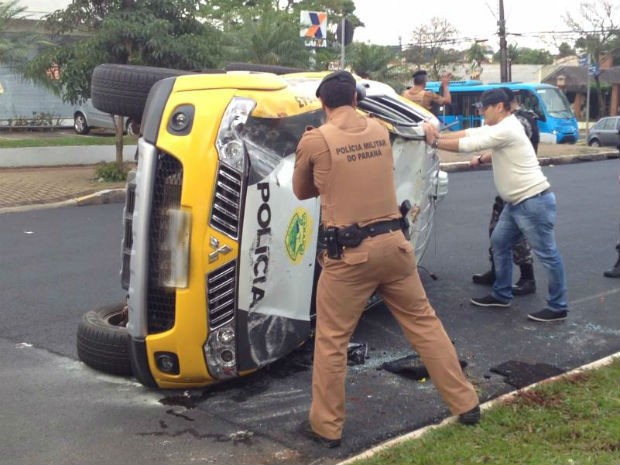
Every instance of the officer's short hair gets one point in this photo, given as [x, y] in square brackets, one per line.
[337, 89]
[419, 77]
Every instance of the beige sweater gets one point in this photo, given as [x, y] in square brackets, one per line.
[516, 171]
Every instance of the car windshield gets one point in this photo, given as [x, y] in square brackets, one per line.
[269, 140]
[556, 103]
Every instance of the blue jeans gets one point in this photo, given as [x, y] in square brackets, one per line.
[533, 219]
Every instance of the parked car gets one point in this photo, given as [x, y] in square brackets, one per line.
[87, 117]
[605, 132]
[218, 255]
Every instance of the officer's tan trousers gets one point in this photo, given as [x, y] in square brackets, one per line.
[387, 263]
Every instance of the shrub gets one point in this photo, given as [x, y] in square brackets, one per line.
[111, 172]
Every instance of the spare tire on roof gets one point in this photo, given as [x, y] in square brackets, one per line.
[123, 89]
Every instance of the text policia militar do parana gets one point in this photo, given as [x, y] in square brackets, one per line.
[356, 152]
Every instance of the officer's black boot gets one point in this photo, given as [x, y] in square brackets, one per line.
[526, 283]
[615, 271]
[485, 279]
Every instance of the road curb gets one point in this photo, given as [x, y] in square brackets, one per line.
[102, 197]
[498, 400]
[544, 161]
[97, 198]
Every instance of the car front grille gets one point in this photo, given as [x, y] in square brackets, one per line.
[167, 188]
[227, 202]
[130, 202]
[221, 285]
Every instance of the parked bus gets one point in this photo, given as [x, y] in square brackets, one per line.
[556, 120]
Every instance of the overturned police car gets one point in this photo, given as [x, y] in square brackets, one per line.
[218, 255]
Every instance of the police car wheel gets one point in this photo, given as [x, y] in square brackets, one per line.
[103, 340]
[123, 89]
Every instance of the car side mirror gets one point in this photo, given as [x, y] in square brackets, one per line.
[361, 92]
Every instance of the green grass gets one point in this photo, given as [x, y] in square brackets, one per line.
[52, 139]
[573, 421]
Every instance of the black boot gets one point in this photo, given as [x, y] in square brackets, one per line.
[615, 271]
[526, 284]
[485, 279]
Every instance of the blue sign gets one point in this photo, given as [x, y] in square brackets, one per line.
[594, 70]
[584, 60]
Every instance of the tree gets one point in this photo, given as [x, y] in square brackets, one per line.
[15, 47]
[271, 38]
[429, 46]
[377, 62]
[530, 56]
[162, 33]
[565, 50]
[475, 53]
[598, 32]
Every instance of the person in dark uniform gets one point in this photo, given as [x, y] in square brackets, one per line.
[521, 251]
[348, 162]
[614, 271]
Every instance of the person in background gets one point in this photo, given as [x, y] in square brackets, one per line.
[426, 98]
[521, 252]
[348, 161]
[614, 272]
[530, 205]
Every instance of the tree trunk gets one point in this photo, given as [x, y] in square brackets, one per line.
[118, 141]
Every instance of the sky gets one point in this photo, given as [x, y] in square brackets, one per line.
[390, 22]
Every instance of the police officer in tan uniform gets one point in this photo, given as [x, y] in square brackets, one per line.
[348, 162]
[426, 98]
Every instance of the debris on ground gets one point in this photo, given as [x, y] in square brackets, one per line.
[357, 353]
[520, 374]
[410, 366]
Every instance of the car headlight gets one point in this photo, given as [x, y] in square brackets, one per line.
[221, 353]
[229, 144]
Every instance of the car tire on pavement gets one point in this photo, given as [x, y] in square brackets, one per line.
[594, 143]
[103, 340]
[123, 89]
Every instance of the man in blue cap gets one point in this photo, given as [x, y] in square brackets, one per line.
[530, 206]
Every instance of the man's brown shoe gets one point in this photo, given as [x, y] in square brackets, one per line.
[305, 428]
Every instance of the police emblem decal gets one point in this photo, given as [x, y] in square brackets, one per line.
[297, 235]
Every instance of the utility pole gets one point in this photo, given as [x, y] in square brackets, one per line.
[503, 49]
[342, 40]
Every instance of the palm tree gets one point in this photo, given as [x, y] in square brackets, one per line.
[15, 47]
[271, 38]
[378, 63]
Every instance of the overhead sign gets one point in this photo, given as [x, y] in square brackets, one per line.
[584, 60]
[594, 70]
[313, 28]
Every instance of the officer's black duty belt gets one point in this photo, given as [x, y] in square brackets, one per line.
[337, 238]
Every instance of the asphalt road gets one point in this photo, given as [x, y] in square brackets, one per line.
[57, 264]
